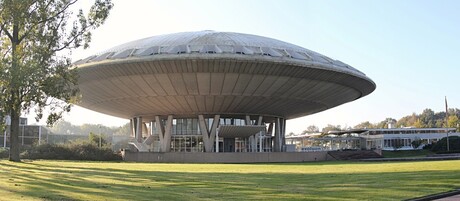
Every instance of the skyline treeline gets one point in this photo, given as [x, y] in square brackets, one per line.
[426, 119]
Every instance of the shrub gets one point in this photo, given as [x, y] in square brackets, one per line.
[428, 146]
[416, 143]
[4, 153]
[72, 151]
[441, 145]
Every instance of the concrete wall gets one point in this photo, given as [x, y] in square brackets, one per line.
[203, 157]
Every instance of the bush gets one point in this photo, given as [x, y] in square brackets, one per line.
[71, 151]
[428, 146]
[441, 145]
[4, 153]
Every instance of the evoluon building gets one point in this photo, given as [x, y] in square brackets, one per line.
[213, 91]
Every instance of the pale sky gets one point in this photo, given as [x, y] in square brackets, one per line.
[411, 49]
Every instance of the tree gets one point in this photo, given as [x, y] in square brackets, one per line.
[418, 124]
[416, 143]
[364, 125]
[97, 139]
[311, 129]
[36, 73]
[427, 118]
[407, 121]
[64, 127]
[330, 127]
[123, 130]
[453, 122]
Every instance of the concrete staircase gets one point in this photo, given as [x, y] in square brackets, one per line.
[353, 155]
[141, 147]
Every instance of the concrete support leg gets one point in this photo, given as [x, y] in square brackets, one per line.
[278, 144]
[270, 129]
[167, 134]
[145, 130]
[131, 127]
[164, 128]
[138, 129]
[269, 132]
[149, 139]
[209, 135]
[217, 141]
[283, 135]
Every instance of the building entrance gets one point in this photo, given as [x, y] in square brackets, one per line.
[229, 144]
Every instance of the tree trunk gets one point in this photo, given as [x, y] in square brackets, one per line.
[14, 136]
[14, 102]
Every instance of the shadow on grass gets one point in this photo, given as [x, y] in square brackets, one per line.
[48, 182]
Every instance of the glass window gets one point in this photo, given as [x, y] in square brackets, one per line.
[184, 127]
[210, 121]
[195, 126]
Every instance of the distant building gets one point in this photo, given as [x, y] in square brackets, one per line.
[335, 140]
[402, 138]
[368, 139]
[28, 134]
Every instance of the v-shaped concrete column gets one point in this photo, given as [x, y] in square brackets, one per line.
[164, 131]
[209, 136]
[279, 135]
[136, 128]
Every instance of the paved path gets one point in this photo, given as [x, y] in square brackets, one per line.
[451, 198]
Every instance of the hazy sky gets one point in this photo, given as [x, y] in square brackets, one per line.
[411, 49]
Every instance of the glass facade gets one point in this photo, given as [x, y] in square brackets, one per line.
[186, 136]
[185, 127]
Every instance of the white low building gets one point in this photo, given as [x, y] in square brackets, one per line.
[402, 138]
[370, 139]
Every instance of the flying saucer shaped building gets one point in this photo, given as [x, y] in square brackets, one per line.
[214, 91]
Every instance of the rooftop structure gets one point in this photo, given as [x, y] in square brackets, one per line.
[181, 89]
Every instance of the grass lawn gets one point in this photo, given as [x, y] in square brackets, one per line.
[406, 153]
[74, 180]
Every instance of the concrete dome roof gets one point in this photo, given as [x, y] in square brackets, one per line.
[320, 81]
[215, 42]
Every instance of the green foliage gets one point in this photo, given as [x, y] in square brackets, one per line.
[123, 130]
[441, 145]
[416, 143]
[427, 119]
[365, 125]
[453, 122]
[72, 151]
[34, 74]
[4, 153]
[311, 129]
[64, 127]
[97, 139]
[331, 127]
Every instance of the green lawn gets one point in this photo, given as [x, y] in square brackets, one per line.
[72, 180]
